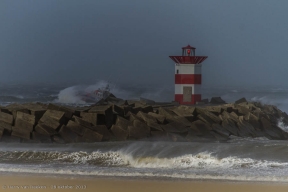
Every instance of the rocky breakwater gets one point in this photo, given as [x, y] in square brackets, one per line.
[119, 120]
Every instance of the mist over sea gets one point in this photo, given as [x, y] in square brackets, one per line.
[240, 159]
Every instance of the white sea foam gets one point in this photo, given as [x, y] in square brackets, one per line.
[282, 125]
[203, 160]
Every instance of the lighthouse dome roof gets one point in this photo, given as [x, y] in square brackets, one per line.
[188, 47]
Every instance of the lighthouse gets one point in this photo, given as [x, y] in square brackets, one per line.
[188, 76]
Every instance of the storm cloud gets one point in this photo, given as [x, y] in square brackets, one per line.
[128, 42]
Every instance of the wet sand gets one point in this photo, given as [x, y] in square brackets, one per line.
[40, 183]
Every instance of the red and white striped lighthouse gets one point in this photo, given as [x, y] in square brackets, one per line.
[188, 76]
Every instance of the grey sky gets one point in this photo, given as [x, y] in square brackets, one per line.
[129, 41]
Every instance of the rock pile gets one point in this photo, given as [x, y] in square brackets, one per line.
[119, 120]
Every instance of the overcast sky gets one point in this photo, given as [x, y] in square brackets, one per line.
[129, 41]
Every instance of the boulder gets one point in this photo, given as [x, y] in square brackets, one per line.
[217, 100]
[216, 110]
[90, 136]
[89, 117]
[24, 125]
[185, 111]
[230, 126]
[147, 109]
[147, 118]
[245, 129]
[6, 126]
[41, 138]
[206, 116]
[242, 110]
[168, 114]
[133, 117]
[68, 135]
[119, 133]
[242, 100]
[49, 121]
[105, 112]
[76, 128]
[81, 121]
[102, 129]
[140, 125]
[123, 123]
[253, 120]
[7, 118]
[45, 129]
[58, 116]
[20, 133]
[204, 128]
[25, 117]
[221, 131]
[138, 132]
[154, 126]
[68, 112]
[160, 118]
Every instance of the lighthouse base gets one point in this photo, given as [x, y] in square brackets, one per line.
[194, 98]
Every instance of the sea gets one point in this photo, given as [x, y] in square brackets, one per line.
[238, 159]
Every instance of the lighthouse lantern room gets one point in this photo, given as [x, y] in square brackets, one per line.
[188, 77]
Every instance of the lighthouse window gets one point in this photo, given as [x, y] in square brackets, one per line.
[177, 71]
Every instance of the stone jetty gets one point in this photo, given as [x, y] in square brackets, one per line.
[115, 119]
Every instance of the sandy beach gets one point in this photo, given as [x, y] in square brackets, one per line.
[18, 183]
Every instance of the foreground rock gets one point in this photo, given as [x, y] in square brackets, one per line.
[120, 120]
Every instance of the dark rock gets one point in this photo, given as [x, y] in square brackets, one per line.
[68, 135]
[102, 129]
[41, 138]
[25, 117]
[76, 128]
[5, 126]
[242, 110]
[160, 118]
[140, 125]
[68, 113]
[58, 116]
[168, 114]
[155, 126]
[119, 133]
[49, 121]
[19, 133]
[137, 132]
[81, 121]
[7, 118]
[221, 130]
[242, 100]
[217, 100]
[123, 123]
[230, 126]
[89, 117]
[147, 118]
[24, 125]
[90, 136]
[106, 111]
[45, 129]
[207, 116]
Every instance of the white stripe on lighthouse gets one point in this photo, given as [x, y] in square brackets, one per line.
[196, 88]
[188, 68]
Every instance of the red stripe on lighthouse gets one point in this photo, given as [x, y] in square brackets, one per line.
[195, 98]
[188, 78]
